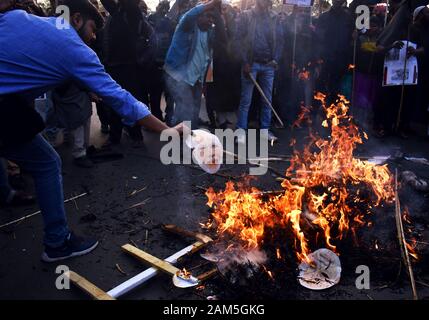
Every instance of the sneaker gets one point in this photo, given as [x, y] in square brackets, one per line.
[73, 246]
[241, 138]
[83, 162]
[271, 137]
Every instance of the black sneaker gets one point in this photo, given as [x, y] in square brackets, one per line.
[73, 246]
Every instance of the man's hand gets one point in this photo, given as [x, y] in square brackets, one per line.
[246, 70]
[411, 51]
[182, 129]
[274, 64]
[153, 123]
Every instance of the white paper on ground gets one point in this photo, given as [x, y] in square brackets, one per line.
[323, 272]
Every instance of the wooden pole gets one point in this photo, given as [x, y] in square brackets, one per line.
[266, 99]
[354, 69]
[38, 212]
[401, 238]
[401, 104]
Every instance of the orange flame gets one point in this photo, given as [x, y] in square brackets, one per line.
[324, 179]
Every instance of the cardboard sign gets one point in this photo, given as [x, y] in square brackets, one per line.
[398, 70]
[299, 3]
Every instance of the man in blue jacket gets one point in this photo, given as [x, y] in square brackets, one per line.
[36, 55]
[188, 58]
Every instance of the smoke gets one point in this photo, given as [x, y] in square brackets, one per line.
[231, 258]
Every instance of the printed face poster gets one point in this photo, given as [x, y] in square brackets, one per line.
[398, 70]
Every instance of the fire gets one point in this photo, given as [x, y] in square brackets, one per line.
[411, 242]
[324, 181]
[351, 66]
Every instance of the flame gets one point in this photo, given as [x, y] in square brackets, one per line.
[351, 66]
[324, 179]
[185, 274]
[412, 242]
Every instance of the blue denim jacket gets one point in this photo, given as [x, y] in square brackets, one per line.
[36, 57]
[183, 44]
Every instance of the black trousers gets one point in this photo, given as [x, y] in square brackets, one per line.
[131, 78]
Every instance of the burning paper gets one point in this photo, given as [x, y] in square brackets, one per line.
[322, 272]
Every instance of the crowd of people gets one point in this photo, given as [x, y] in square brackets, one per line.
[153, 70]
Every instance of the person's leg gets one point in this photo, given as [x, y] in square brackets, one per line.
[210, 95]
[245, 99]
[155, 93]
[40, 160]
[80, 145]
[86, 133]
[116, 127]
[197, 92]
[184, 98]
[103, 115]
[169, 99]
[78, 149]
[266, 79]
[6, 191]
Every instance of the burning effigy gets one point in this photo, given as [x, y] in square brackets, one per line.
[327, 194]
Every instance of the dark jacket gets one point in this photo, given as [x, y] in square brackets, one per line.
[245, 36]
[121, 34]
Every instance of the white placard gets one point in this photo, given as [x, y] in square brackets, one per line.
[397, 71]
[299, 3]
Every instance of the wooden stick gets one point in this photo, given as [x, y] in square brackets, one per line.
[177, 230]
[88, 287]
[354, 70]
[148, 274]
[401, 104]
[266, 99]
[275, 171]
[38, 212]
[401, 238]
[153, 261]
[207, 275]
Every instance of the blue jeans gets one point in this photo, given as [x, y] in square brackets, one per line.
[40, 160]
[187, 99]
[265, 76]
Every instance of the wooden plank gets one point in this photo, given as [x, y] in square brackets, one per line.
[207, 275]
[151, 260]
[148, 274]
[89, 288]
[177, 230]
